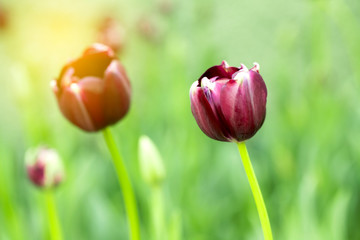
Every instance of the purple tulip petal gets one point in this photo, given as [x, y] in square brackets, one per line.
[243, 105]
[36, 173]
[221, 71]
[258, 96]
[236, 109]
[204, 115]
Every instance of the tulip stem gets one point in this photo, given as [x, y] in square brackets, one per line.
[53, 219]
[157, 212]
[125, 184]
[264, 218]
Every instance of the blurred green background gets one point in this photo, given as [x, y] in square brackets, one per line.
[306, 155]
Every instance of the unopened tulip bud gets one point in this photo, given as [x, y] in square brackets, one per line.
[93, 91]
[112, 34]
[44, 167]
[151, 164]
[229, 103]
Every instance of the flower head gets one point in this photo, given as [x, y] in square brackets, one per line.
[229, 103]
[93, 91]
[44, 167]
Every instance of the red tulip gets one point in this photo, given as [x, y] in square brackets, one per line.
[93, 91]
[229, 103]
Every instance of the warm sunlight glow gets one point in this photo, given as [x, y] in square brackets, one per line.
[75, 88]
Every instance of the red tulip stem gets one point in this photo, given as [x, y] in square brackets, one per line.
[264, 218]
[53, 219]
[125, 184]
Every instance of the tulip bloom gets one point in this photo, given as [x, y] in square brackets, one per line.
[229, 103]
[93, 91]
[44, 167]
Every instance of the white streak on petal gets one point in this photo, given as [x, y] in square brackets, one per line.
[207, 83]
[75, 89]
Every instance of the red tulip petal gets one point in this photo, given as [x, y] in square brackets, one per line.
[91, 92]
[221, 71]
[73, 108]
[117, 92]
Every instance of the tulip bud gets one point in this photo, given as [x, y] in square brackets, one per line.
[151, 166]
[93, 91]
[112, 34]
[44, 167]
[229, 103]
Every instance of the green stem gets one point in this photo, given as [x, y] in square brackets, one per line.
[174, 232]
[10, 212]
[54, 223]
[125, 184]
[264, 218]
[157, 212]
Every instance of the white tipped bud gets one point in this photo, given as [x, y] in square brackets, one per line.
[151, 164]
[44, 167]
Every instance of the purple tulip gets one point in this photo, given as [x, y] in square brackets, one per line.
[93, 91]
[229, 103]
[44, 167]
